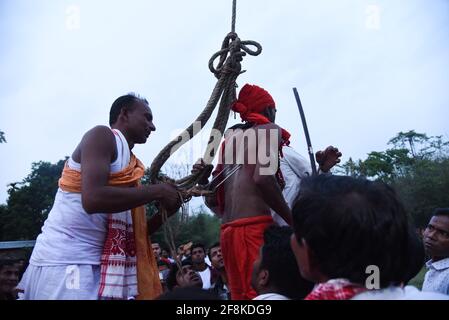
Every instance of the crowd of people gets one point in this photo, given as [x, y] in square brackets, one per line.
[286, 234]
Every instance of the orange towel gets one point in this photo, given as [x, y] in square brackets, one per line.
[148, 283]
[240, 242]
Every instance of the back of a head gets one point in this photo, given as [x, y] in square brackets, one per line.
[279, 260]
[126, 101]
[350, 224]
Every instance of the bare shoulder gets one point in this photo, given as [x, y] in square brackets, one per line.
[100, 136]
[103, 132]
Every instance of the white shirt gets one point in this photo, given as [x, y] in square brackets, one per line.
[205, 277]
[294, 167]
[437, 278]
[398, 293]
[271, 296]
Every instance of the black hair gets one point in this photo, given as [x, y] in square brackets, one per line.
[417, 257]
[441, 212]
[124, 102]
[350, 224]
[8, 262]
[197, 245]
[279, 260]
[171, 278]
[216, 244]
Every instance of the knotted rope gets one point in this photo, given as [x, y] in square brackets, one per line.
[227, 70]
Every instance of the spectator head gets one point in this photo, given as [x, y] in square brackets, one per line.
[215, 256]
[198, 254]
[276, 270]
[186, 277]
[342, 225]
[9, 278]
[164, 253]
[156, 250]
[436, 235]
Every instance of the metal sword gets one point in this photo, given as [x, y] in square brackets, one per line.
[306, 132]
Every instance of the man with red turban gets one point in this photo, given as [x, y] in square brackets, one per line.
[248, 196]
[244, 200]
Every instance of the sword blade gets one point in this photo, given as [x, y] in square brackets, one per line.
[306, 132]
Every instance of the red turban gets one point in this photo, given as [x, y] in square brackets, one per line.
[251, 102]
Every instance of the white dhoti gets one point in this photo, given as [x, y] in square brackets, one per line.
[72, 282]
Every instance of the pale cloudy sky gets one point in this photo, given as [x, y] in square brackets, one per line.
[365, 70]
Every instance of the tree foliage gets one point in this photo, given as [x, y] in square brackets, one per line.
[29, 202]
[416, 165]
[199, 227]
[2, 137]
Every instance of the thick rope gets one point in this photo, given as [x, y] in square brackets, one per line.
[227, 70]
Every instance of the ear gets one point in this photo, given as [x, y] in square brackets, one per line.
[123, 114]
[311, 265]
[304, 257]
[263, 277]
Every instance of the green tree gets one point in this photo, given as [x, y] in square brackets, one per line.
[408, 140]
[29, 202]
[416, 165]
[200, 227]
[2, 137]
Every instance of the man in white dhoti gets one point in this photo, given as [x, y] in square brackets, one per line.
[92, 246]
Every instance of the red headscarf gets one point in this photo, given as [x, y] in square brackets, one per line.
[251, 102]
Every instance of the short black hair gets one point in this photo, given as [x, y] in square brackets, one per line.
[171, 278]
[417, 257]
[216, 244]
[127, 101]
[441, 212]
[350, 224]
[279, 260]
[198, 245]
[8, 262]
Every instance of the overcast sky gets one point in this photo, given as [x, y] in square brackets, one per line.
[365, 70]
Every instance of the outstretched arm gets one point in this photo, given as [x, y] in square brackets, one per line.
[97, 149]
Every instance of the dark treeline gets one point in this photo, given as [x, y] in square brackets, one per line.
[416, 165]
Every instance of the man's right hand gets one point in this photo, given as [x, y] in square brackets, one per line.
[206, 169]
[169, 197]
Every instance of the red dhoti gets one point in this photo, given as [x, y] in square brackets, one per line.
[240, 242]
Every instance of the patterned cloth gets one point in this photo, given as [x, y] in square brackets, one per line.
[437, 276]
[128, 266]
[335, 289]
